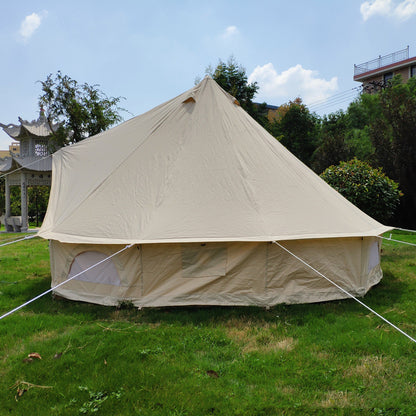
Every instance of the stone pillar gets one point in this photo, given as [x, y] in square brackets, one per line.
[8, 228]
[24, 202]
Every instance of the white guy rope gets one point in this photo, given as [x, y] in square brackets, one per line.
[404, 229]
[27, 237]
[344, 291]
[65, 281]
[396, 241]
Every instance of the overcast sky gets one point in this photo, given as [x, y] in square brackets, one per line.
[151, 51]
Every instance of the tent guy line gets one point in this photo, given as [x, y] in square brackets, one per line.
[274, 242]
[397, 241]
[404, 229]
[27, 237]
[346, 292]
[66, 281]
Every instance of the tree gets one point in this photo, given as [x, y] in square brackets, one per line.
[2, 195]
[393, 134]
[296, 128]
[284, 108]
[232, 77]
[360, 115]
[38, 203]
[367, 188]
[333, 147]
[81, 109]
[364, 110]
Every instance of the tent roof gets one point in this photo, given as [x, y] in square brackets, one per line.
[196, 168]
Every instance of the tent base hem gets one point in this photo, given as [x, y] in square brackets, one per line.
[221, 300]
[235, 274]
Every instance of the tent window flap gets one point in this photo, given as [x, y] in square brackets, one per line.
[105, 273]
[204, 261]
[374, 256]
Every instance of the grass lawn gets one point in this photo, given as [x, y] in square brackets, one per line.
[330, 358]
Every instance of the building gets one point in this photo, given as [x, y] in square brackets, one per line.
[376, 73]
[267, 110]
[28, 164]
[14, 149]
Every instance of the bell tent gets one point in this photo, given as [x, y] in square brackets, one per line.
[200, 190]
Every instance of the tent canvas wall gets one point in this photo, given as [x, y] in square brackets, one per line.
[200, 190]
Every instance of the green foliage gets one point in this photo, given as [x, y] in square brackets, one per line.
[296, 129]
[367, 188]
[83, 110]
[359, 141]
[96, 399]
[364, 111]
[2, 195]
[381, 135]
[398, 103]
[388, 119]
[333, 146]
[15, 200]
[38, 197]
[232, 77]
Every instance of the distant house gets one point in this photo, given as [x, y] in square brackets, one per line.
[14, 149]
[267, 110]
[376, 73]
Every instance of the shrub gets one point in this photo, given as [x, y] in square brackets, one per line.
[366, 187]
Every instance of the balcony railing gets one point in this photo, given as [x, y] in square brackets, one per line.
[381, 61]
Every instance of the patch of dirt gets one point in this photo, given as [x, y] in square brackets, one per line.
[372, 366]
[336, 399]
[254, 337]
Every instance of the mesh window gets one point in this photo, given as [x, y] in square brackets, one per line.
[374, 257]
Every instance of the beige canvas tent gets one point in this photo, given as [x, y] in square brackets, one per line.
[201, 190]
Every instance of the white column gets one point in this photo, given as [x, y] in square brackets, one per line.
[7, 207]
[24, 201]
[9, 228]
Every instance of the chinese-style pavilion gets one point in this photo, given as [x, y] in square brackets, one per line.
[32, 166]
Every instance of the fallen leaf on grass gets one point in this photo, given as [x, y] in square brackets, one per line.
[35, 355]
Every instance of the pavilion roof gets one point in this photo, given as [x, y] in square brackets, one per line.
[35, 163]
[35, 128]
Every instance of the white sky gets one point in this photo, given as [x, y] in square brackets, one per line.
[149, 52]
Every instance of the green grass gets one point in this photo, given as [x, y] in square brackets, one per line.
[329, 358]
